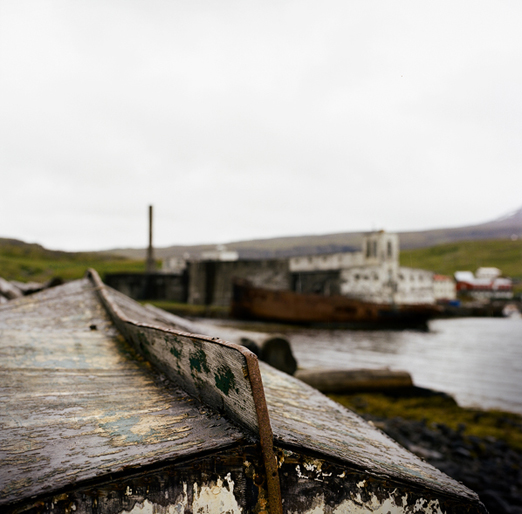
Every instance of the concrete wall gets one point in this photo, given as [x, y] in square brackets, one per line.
[380, 247]
[444, 288]
[415, 286]
[143, 286]
[210, 283]
[388, 283]
[369, 283]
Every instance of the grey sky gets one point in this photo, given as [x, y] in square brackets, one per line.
[241, 120]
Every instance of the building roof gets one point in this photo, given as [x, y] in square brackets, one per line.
[441, 278]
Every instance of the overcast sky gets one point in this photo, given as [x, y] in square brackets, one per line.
[242, 120]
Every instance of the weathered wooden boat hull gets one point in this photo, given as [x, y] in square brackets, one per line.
[287, 306]
[107, 408]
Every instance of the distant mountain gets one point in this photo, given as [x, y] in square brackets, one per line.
[504, 227]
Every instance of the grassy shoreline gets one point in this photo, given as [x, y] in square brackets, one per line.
[438, 410]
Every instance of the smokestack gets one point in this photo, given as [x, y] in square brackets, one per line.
[150, 267]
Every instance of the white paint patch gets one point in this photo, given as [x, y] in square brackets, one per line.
[216, 498]
[373, 506]
[314, 467]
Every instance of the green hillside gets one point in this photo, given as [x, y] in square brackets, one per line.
[468, 255]
[31, 262]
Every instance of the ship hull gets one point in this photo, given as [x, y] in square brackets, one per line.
[255, 303]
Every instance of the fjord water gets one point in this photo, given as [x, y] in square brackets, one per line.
[476, 360]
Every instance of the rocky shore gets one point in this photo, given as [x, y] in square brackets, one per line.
[491, 466]
[486, 465]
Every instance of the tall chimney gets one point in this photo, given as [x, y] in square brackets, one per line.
[150, 267]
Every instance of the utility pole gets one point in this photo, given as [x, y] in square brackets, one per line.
[150, 266]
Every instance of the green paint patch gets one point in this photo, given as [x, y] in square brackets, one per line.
[174, 348]
[176, 352]
[224, 379]
[124, 431]
[142, 338]
[198, 362]
[143, 343]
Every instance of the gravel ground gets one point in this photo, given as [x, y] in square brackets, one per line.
[487, 466]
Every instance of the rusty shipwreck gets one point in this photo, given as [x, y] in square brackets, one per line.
[256, 303]
[107, 407]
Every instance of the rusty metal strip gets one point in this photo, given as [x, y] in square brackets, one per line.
[266, 439]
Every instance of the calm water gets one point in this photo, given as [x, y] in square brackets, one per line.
[477, 360]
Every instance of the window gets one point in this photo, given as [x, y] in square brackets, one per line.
[390, 249]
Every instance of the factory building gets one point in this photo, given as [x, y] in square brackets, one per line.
[371, 274]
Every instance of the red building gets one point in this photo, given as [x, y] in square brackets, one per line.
[485, 284]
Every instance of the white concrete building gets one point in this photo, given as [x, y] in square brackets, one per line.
[220, 254]
[415, 286]
[176, 265]
[326, 262]
[373, 274]
[488, 273]
[444, 288]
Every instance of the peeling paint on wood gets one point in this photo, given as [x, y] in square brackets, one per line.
[314, 485]
[225, 482]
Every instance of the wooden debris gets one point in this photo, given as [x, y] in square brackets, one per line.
[354, 380]
[8, 290]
